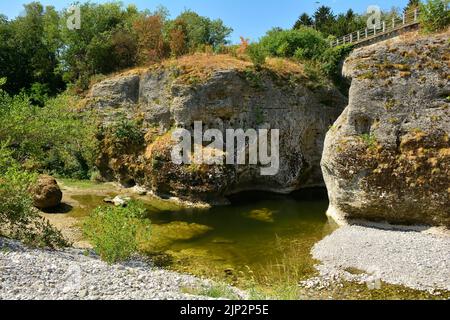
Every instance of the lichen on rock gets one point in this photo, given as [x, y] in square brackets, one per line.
[387, 156]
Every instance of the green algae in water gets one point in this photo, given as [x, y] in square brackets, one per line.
[255, 240]
[86, 204]
[260, 244]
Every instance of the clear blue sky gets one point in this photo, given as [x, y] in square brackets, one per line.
[249, 18]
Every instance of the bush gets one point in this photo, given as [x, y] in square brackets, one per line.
[18, 218]
[257, 54]
[117, 232]
[128, 132]
[304, 43]
[435, 15]
[332, 58]
[52, 138]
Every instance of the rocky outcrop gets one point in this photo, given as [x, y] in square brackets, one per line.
[387, 157]
[223, 93]
[46, 193]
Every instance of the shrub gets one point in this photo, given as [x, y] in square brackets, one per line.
[117, 232]
[332, 58]
[435, 15]
[304, 43]
[128, 132]
[53, 138]
[18, 218]
[257, 54]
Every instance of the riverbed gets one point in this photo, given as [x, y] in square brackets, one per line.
[261, 242]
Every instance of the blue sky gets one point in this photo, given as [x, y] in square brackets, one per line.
[249, 18]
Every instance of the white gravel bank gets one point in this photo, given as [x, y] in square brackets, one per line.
[414, 259]
[70, 274]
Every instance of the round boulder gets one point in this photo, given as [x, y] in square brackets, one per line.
[46, 193]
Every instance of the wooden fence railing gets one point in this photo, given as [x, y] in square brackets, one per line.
[407, 20]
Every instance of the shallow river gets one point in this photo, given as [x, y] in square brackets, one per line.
[260, 236]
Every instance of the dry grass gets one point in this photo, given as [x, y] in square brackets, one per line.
[198, 67]
[208, 62]
[285, 67]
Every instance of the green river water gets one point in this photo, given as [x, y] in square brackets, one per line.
[260, 240]
[259, 236]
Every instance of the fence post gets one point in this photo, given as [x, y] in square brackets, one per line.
[367, 33]
[415, 14]
[359, 35]
[375, 30]
[343, 39]
[384, 26]
[393, 23]
[351, 37]
[404, 18]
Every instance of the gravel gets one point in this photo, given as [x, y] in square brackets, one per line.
[71, 274]
[413, 259]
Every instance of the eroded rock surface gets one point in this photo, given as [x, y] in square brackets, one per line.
[223, 93]
[387, 157]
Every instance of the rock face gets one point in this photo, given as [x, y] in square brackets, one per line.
[223, 93]
[46, 193]
[387, 157]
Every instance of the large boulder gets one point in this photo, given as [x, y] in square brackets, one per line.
[387, 157]
[223, 93]
[46, 193]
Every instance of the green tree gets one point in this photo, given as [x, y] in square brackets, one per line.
[80, 58]
[199, 31]
[324, 19]
[303, 43]
[412, 5]
[28, 50]
[52, 138]
[435, 15]
[304, 20]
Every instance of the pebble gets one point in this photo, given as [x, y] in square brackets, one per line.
[35, 274]
[412, 259]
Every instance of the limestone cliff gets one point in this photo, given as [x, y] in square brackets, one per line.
[223, 93]
[387, 157]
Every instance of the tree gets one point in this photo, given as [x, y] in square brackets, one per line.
[29, 46]
[80, 58]
[324, 19]
[411, 6]
[150, 40]
[304, 20]
[303, 43]
[435, 15]
[218, 33]
[178, 39]
[199, 31]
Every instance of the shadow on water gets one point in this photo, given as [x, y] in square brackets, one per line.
[62, 208]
